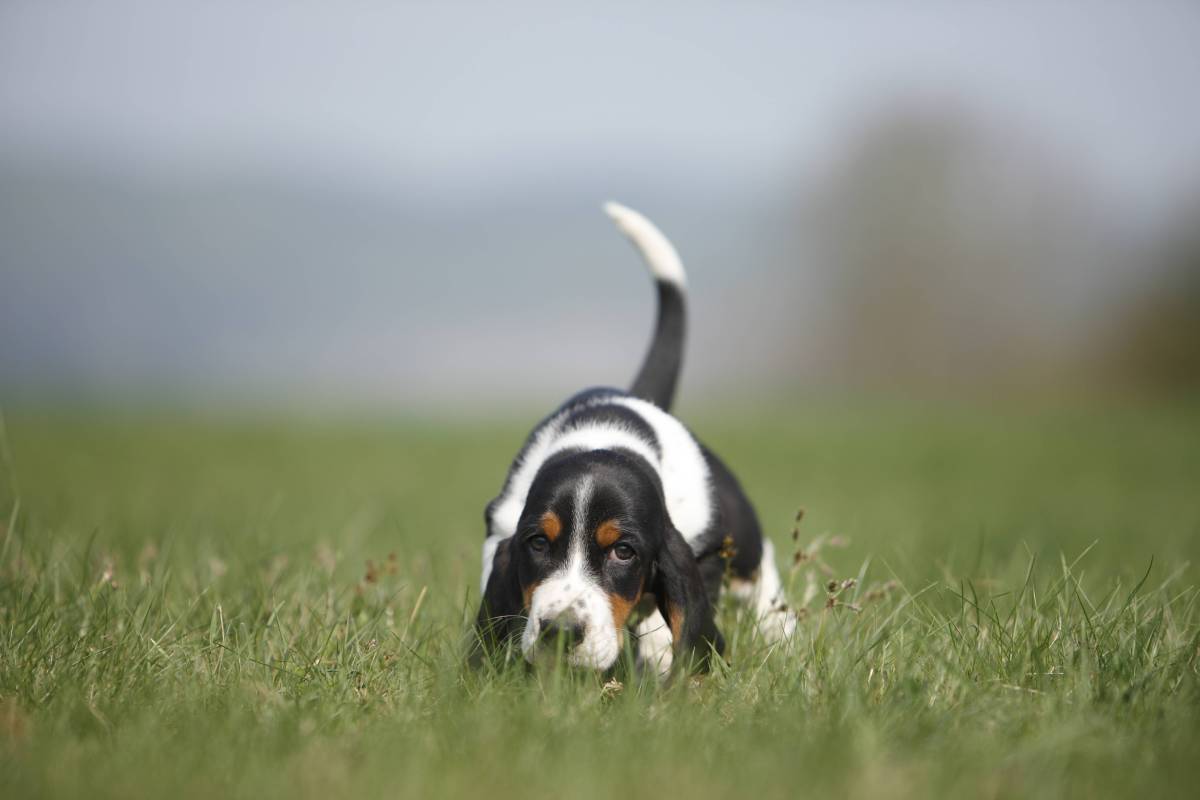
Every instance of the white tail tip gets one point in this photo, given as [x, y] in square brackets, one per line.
[658, 251]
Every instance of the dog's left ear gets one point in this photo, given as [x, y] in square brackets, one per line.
[501, 608]
[679, 591]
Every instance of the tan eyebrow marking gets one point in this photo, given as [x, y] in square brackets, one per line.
[608, 533]
[551, 525]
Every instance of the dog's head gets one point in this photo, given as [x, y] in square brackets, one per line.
[593, 539]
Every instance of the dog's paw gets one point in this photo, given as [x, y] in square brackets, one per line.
[655, 645]
[777, 624]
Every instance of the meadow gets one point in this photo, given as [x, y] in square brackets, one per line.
[997, 601]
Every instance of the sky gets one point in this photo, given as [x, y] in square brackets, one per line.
[502, 127]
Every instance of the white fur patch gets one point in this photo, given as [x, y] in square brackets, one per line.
[604, 437]
[682, 469]
[490, 545]
[507, 510]
[655, 643]
[765, 596]
[660, 254]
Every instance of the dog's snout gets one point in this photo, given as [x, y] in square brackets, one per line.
[570, 631]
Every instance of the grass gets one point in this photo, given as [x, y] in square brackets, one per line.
[199, 609]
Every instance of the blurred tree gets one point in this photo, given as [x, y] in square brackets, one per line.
[1155, 341]
[959, 254]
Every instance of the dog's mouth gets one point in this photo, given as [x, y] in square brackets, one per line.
[594, 650]
[570, 621]
[593, 656]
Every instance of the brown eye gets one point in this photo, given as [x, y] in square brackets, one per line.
[623, 552]
[538, 543]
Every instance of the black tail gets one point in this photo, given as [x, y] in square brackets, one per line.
[659, 373]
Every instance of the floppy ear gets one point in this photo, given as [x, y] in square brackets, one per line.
[683, 602]
[499, 612]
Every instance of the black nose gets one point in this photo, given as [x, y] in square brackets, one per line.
[570, 632]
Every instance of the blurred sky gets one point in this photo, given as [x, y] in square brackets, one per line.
[398, 203]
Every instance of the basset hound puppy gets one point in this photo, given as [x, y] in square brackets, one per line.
[614, 517]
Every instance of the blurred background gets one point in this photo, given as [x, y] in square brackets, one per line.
[396, 206]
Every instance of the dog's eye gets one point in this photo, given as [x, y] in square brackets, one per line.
[622, 552]
[538, 543]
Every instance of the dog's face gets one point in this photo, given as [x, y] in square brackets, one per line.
[584, 553]
[593, 538]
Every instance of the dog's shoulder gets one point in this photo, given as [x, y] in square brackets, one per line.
[606, 418]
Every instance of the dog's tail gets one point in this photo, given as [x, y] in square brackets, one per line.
[659, 373]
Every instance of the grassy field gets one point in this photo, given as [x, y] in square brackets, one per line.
[211, 609]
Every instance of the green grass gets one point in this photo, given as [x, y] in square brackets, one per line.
[186, 610]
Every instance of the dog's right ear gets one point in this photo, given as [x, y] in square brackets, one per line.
[500, 611]
[682, 600]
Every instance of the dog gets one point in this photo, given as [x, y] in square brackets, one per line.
[613, 510]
